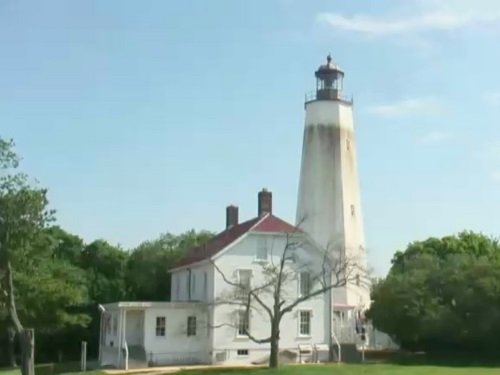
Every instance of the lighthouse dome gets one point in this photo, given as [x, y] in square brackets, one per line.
[329, 66]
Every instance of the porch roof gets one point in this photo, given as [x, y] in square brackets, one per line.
[146, 305]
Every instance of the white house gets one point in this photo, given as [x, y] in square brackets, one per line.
[204, 322]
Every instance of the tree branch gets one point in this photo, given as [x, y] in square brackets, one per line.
[252, 292]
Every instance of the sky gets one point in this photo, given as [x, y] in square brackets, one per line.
[146, 117]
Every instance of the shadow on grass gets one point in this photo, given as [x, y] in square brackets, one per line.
[49, 369]
[456, 359]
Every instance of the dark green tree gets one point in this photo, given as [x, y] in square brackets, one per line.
[148, 265]
[105, 268]
[442, 295]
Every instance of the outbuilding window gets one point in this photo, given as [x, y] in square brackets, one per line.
[161, 323]
[191, 326]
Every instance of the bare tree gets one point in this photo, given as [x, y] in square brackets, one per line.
[273, 298]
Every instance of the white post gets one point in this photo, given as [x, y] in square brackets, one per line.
[125, 349]
[124, 338]
[84, 357]
[102, 311]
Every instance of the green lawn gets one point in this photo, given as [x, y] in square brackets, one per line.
[369, 369]
[45, 372]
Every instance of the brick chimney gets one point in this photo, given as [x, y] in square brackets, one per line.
[265, 202]
[231, 216]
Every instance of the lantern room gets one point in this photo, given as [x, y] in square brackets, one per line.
[329, 81]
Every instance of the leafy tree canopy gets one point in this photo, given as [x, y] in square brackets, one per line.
[148, 264]
[442, 295]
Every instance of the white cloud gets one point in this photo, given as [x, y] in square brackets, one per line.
[407, 107]
[379, 27]
[435, 137]
[427, 15]
[492, 98]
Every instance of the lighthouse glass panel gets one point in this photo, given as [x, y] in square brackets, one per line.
[330, 82]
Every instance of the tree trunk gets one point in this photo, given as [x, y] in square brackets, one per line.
[11, 333]
[26, 336]
[27, 339]
[275, 339]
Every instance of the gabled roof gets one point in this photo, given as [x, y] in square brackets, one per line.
[267, 223]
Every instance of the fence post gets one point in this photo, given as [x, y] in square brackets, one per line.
[84, 357]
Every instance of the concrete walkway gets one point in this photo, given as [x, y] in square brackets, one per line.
[174, 369]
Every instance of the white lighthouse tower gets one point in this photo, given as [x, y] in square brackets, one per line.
[329, 204]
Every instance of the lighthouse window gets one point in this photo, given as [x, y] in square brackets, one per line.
[348, 144]
[352, 210]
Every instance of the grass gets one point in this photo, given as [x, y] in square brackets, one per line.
[367, 369]
[49, 370]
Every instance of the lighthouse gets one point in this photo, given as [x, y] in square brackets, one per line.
[329, 202]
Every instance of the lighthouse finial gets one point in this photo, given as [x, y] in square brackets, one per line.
[329, 58]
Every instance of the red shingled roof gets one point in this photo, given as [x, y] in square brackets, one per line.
[274, 224]
[268, 223]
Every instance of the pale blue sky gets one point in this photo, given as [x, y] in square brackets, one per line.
[143, 117]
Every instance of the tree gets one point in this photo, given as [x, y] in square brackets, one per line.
[105, 267]
[64, 245]
[442, 295]
[23, 214]
[158, 256]
[276, 295]
[49, 292]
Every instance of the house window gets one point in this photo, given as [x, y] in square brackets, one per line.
[244, 279]
[305, 283]
[205, 285]
[243, 323]
[242, 352]
[261, 249]
[191, 326]
[304, 323]
[193, 285]
[161, 322]
[188, 284]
